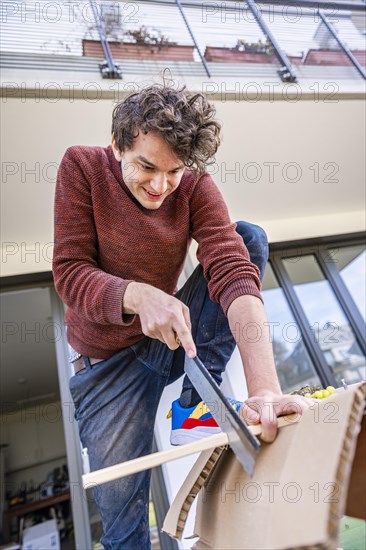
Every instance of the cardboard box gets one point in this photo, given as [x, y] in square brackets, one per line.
[43, 536]
[303, 484]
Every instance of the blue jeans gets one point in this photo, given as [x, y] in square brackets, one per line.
[116, 401]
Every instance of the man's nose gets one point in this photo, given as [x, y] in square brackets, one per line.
[159, 183]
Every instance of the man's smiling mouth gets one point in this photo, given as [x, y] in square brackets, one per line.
[152, 195]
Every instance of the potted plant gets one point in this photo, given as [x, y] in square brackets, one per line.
[255, 47]
[141, 43]
[246, 52]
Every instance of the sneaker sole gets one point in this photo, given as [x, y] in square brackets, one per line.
[183, 436]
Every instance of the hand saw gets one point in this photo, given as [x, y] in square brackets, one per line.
[244, 444]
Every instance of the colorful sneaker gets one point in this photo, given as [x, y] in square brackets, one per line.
[192, 423]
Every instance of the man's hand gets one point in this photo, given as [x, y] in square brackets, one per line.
[267, 407]
[162, 316]
[266, 402]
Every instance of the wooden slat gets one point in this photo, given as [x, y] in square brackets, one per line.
[156, 459]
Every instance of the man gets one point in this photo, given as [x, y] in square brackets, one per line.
[124, 218]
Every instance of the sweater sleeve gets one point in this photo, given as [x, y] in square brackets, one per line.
[221, 250]
[88, 290]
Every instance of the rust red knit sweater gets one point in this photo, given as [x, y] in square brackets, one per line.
[105, 239]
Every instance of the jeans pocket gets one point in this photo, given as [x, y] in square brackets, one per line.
[154, 355]
[88, 381]
[79, 385]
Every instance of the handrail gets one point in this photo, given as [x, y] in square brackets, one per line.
[322, 4]
[357, 6]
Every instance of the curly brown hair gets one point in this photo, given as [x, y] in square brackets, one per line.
[186, 122]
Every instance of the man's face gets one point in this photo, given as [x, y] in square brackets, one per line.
[150, 169]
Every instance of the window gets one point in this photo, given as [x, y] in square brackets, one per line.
[328, 322]
[351, 264]
[314, 294]
[294, 365]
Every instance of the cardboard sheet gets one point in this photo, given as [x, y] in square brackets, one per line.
[299, 490]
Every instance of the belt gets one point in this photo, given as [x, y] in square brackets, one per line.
[79, 364]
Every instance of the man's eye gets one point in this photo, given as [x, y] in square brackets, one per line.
[146, 167]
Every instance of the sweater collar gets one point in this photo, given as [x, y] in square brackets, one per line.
[115, 164]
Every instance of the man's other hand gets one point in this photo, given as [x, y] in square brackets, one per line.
[162, 316]
[265, 409]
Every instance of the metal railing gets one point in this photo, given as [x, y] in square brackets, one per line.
[292, 28]
[108, 69]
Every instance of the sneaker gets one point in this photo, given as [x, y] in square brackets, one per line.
[192, 423]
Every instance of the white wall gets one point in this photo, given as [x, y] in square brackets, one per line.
[328, 197]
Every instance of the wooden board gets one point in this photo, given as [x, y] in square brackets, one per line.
[130, 467]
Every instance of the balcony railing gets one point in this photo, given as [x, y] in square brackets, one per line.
[229, 38]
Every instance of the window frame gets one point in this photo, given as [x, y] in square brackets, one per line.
[319, 248]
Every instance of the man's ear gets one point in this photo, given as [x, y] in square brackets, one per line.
[116, 151]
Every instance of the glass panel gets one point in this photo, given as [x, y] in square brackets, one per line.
[330, 327]
[351, 264]
[293, 363]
